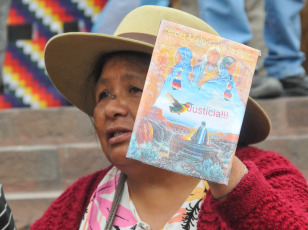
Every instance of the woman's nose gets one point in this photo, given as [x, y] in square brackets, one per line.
[116, 106]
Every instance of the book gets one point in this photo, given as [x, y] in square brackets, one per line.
[193, 103]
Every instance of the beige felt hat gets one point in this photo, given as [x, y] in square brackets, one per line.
[69, 59]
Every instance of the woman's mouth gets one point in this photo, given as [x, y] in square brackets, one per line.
[118, 135]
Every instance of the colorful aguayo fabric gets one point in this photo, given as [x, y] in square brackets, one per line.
[31, 23]
[127, 217]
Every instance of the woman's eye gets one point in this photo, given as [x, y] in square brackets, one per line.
[135, 90]
[103, 95]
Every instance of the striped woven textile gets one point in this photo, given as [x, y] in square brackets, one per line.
[30, 24]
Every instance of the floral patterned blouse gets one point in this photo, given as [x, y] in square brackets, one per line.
[126, 218]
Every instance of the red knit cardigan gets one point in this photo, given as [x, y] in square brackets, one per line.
[273, 195]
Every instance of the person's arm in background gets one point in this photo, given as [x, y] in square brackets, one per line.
[6, 215]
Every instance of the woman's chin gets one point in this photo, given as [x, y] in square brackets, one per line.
[117, 155]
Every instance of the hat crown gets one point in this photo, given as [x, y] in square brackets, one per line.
[147, 19]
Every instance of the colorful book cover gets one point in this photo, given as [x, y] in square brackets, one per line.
[193, 103]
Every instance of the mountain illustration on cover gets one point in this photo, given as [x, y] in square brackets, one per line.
[193, 103]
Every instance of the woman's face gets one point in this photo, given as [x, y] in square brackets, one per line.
[231, 68]
[178, 57]
[114, 117]
[213, 57]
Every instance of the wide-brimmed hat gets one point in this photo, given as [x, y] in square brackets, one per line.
[69, 59]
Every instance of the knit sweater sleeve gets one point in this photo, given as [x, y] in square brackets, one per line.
[67, 210]
[273, 195]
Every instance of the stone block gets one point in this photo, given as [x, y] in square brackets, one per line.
[80, 160]
[25, 212]
[293, 148]
[275, 110]
[297, 114]
[305, 174]
[29, 168]
[44, 126]
[289, 116]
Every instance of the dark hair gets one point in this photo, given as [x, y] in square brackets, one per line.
[90, 82]
[227, 61]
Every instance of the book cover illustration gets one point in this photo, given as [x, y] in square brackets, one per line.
[193, 103]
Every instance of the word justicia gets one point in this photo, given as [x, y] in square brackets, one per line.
[208, 112]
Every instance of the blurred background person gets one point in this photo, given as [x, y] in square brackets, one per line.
[282, 34]
[115, 10]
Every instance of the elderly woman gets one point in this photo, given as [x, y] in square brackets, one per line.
[104, 76]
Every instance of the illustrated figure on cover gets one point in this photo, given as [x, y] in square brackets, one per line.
[207, 67]
[181, 71]
[201, 136]
[229, 64]
[179, 79]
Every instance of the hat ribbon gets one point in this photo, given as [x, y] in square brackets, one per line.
[148, 38]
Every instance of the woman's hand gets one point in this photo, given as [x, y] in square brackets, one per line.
[238, 170]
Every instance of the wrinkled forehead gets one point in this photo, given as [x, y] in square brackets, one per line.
[127, 66]
[130, 57]
[127, 58]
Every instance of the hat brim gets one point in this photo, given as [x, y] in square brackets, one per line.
[256, 124]
[69, 59]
